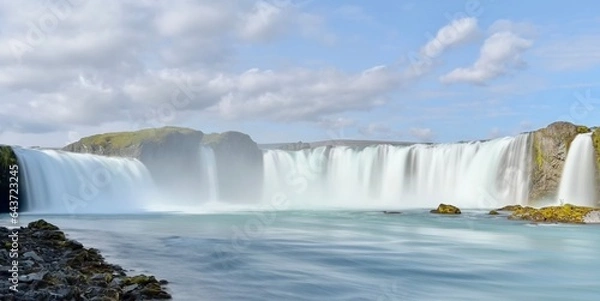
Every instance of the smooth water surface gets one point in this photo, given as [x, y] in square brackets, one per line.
[304, 255]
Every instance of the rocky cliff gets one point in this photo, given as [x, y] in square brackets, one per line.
[172, 155]
[550, 147]
[137, 144]
[168, 153]
[596, 140]
[7, 158]
[239, 165]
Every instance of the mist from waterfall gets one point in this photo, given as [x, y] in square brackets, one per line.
[471, 175]
[481, 174]
[208, 164]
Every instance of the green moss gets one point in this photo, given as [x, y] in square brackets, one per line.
[212, 138]
[446, 209]
[154, 291]
[510, 208]
[42, 225]
[7, 156]
[139, 279]
[124, 139]
[581, 129]
[539, 157]
[108, 277]
[554, 214]
[596, 142]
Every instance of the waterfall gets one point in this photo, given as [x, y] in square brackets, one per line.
[472, 175]
[482, 174]
[63, 182]
[578, 180]
[210, 185]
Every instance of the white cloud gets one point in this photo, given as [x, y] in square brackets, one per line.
[500, 53]
[264, 22]
[142, 62]
[525, 29]
[455, 33]
[377, 130]
[201, 18]
[337, 123]
[106, 61]
[422, 134]
[303, 94]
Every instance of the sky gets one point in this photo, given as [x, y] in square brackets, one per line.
[297, 70]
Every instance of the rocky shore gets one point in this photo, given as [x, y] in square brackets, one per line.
[39, 263]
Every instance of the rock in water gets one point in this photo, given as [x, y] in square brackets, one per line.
[446, 209]
[493, 212]
[557, 214]
[510, 208]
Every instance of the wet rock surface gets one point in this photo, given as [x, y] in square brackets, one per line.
[446, 209]
[549, 153]
[51, 267]
[557, 214]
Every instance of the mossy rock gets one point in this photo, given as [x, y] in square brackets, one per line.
[88, 257]
[110, 295]
[70, 244]
[553, 214]
[493, 212]
[55, 236]
[539, 155]
[154, 291]
[212, 138]
[7, 156]
[596, 142]
[42, 225]
[581, 129]
[510, 208]
[217, 139]
[52, 280]
[139, 280]
[124, 139]
[446, 209]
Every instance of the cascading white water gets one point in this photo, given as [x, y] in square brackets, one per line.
[472, 175]
[210, 185]
[64, 182]
[577, 184]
